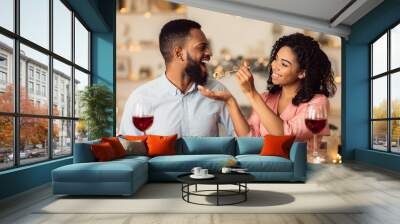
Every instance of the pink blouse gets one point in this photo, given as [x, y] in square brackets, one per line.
[293, 118]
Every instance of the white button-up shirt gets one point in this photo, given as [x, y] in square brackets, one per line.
[188, 114]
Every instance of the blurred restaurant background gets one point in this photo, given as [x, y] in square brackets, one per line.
[232, 39]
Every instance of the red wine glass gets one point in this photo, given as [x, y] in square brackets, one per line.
[143, 116]
[315, 120]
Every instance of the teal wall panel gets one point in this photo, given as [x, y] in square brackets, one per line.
[377, 158]
[24, 178]
[104, 54]
[89, 11]
[355, 98]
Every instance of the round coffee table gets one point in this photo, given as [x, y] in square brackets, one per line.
[238, 179]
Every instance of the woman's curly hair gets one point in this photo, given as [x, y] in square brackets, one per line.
[318, 72]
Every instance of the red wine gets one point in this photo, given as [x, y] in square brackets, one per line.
[315, 126]
[142, 123]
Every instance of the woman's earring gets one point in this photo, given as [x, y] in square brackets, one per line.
[302, 75]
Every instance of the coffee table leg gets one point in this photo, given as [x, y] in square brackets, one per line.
[188, 189]
[245, 191]
[196, 188]
[217, 194]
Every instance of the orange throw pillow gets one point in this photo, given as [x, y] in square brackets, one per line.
[277, 145]
[103, 151]
[135, 138]
[161, 145]
[116, 145]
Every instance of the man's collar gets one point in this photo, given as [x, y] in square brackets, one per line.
[172, 89]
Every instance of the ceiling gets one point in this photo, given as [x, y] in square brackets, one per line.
[329, 16]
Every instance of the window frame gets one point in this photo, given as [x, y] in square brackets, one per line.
[16, 114]
[388, 74]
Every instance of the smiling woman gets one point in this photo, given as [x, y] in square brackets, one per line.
[300, 74]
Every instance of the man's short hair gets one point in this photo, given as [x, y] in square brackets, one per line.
[175, 33]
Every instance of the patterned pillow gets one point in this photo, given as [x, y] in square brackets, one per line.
[137, 147]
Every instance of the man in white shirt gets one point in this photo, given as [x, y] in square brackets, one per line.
[178, 107]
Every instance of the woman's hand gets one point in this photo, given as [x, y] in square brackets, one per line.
[246, 80]
[216, 95]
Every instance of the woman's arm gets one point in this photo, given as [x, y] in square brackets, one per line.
[239, 122]
[268, 118]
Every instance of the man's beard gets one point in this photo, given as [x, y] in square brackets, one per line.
[194, 71]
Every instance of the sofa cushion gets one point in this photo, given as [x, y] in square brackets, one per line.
[116, 144]
[206, 145]
[134, 147]
[185, 163]
[257, 163]
[112, 171]
[103, 152]
[161, 145]
[249, 145]
[134, 137]
[277, 145]
[130, 158]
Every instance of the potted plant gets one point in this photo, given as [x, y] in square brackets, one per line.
[96, 103]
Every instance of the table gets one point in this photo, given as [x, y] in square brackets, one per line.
[238, 179]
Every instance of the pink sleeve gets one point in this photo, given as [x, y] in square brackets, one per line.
[296, 125]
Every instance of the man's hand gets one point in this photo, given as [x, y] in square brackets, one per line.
[216, 95]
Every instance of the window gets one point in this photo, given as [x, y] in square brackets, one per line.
[385, 96]
[3, 61]
[37, 74]
[38, 89]
[6, 142]
[54, 126]
[81, 45]
[35, 22]
[30, 87]
[44, 91]
[7, 88]
[7, 14]
[30, 73]
[62, 139]
[3, 78]
[81, 81]
[62, 29]
[3, 72]
[62, 74]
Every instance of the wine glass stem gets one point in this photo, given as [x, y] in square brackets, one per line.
[315, 153]
[144, 132]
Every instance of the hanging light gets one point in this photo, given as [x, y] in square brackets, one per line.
[147, 14]
[338, 79]
[123, 7]
[180, 9]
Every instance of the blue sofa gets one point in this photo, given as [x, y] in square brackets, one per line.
[125, 176]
